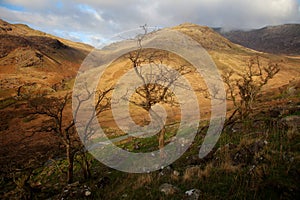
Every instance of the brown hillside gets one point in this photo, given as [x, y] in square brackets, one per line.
[28, 56]
[228, 55]
[32, 57]
[205, 36]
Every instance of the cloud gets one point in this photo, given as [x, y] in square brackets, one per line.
[92, 20]
[32, 4]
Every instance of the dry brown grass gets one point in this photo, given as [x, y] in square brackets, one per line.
[228, 167]
[197, 172]
[191, 173]
[142, 180]
[206, 172]
[175, 177]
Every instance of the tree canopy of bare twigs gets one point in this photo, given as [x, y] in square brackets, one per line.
[158, 81]
[244, 88]
[62, 124]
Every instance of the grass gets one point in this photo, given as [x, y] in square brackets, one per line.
[4, 103]
[256, 162]
[29, 118]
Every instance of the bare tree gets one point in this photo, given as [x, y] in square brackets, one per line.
[158, 81]
[54, 108]
[102, 103]
[63, 125]
[244, 88]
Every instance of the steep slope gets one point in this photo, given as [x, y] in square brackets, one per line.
[28, 56]
[24, 30]
[36, 58]
[228, 55]
[208, 38]
[283, 39]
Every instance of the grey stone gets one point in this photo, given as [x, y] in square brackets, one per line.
[168, 189]
[193, 194]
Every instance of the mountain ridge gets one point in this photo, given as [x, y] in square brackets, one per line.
[25, 30]
[31, 56]
[280, 39]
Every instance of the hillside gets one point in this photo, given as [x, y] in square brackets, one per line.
[28, 56]
[282, 39]
[206, 37]
[31, 57]
[228, 55]
[255, 158]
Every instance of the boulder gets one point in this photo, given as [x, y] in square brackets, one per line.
[168, 189]
[192, 194]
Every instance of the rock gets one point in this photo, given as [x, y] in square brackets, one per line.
[176, 173]
[87, 193]
[168, 189]
[192, 194]
[292, 90]
[75, 191]
[136, 146]
[71, 185]
[165, 171]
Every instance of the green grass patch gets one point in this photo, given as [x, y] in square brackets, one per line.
[7, 102]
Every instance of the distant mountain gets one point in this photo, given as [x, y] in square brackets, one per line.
[31, 57]
[282, 39]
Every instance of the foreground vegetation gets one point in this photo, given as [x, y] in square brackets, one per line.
[254, 159]
[257, 156]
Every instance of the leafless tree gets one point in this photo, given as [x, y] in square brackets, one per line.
[63, 125]
[158, 82]
[244, 88]
[102, 103]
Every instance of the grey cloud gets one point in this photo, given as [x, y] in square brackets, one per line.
[102, 18]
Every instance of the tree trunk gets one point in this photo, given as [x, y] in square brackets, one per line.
[161, 142]
[85, 166]
[70, 160]
[161, 134]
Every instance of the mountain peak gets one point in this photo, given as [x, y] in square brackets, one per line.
[207, 37]
[5, 26]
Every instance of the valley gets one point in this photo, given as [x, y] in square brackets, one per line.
[257, 155]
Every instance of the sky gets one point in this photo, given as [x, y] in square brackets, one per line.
[96, 21]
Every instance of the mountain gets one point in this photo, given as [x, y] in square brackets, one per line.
[229, 55]
[29, 56]
[282, 39]
[206, 36]
[44, 62]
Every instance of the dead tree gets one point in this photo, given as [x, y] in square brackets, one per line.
[244, 88]
[158, 82]
[102, 103]
[62, 124]
[54, 108]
